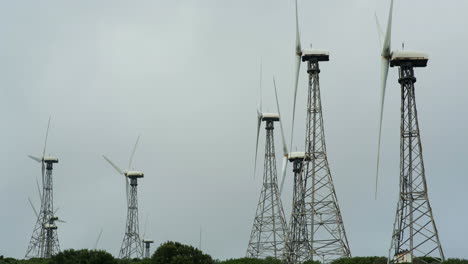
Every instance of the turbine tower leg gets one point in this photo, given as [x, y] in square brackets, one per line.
[414, 230]
[324, 221]
[44, 240]
[297, 244]
[131, 244]
[267, 238]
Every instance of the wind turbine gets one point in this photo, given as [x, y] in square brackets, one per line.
[131, 244]
[324, 220]
[414, 233]
[44, 240]
[269, 228]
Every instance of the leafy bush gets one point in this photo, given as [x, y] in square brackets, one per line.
[83, 256]
[177, 253]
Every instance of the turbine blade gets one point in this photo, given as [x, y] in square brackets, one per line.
[298, 67]
[259, 123]
[60, 221]
[261, 100]
[388, 34]
[43, 171]
[32, 206]
[38, 189]
[35, 158]
[133, 153]
[379, 29]
[285, 148]
[47, 135]
[298, 37]
[98, 238]
[283, 172]
[383, 75]
[113, 165]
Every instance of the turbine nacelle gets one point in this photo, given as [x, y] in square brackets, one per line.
[315, 55]
[415, 58]
[269, 117]
[134, 174]
[50, 159]
[294, 156]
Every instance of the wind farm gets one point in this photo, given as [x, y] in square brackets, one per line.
[136, 130]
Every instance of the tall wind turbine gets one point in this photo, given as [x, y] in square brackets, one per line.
[414, 231]
[44, 240]
[269, 228]
[324, 220]
[131, 245]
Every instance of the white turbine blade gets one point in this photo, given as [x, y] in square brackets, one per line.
[386, 50]
[388, 34]
[32, 206]
[45, 143]
[60, 221]
[98, 238]
[56, 210]
[133, 153]
[298, 67]
[38, 189]
[383, 75]
[113, 165]
[285, 148]
[283, 173]
[43, 171]
[259, 123]
[35, 158]
[261, 100]
[379, 29]
[298, 37]
[144, 227]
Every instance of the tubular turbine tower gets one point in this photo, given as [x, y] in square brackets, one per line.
[132, 246]
[414, 231]
[44, 240]
[324, 221]
[267, 238]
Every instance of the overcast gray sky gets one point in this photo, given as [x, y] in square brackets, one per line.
[184, 75]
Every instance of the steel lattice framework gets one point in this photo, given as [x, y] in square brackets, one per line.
[324, 221]
[297, 244]
[267, 238]
[414, 231]
[44, 241]
[131, 245]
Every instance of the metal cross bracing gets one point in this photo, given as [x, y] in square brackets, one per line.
[131, 244]
[297, 248]
[44, 241]
[267, 238]
[324, 221]
[414, 232]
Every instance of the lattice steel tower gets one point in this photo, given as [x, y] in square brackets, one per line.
[131, 244]
[298, 247]
[267, 238]
[44, 240]
[414, 231]
[324, 221]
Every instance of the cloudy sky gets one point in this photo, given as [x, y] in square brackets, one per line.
[185, 75]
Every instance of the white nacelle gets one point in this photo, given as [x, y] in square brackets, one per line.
[320, 55]
[136, 174]
[296, 155]
[417, 59]
[270, 116]
[50, 159]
